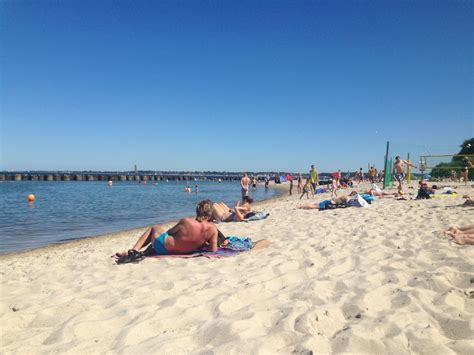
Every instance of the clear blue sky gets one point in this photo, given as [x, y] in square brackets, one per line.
[232, 85]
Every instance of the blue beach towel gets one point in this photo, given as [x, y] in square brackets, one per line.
[235, 246]
[369, 198]
[324, 204]
[238, 243]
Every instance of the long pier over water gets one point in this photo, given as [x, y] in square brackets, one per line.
[114, 176]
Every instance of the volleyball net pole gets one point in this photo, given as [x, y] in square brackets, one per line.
[408, 169]
[386, 168]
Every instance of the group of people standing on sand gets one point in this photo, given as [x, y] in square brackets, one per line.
[464, 173]
[308, 188]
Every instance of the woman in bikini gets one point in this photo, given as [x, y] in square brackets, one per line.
[223, 213]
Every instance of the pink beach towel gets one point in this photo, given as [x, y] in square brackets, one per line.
[220, 253]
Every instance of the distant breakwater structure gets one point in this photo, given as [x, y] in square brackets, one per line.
[126, 176]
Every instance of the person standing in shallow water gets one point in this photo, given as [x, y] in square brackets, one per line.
[254, 182]
[244, 184]
[267, 182]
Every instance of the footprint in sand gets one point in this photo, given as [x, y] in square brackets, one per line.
[348, 264]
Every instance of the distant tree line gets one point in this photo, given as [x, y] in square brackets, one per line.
[457, 162]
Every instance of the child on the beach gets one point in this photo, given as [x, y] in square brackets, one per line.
[333, 187]
[300, 183]
[306, 189]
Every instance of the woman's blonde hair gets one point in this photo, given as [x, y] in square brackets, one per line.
[204, 210]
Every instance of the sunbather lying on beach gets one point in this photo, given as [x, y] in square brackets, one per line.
[340, 200]
[377, 192]
[381, 194]
[463, 235]
[186, 236]
[469, 201]
[223, 213]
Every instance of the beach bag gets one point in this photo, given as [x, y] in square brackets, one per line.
[423, 194]
[220, 238]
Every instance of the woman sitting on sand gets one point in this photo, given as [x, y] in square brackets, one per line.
[223, 213]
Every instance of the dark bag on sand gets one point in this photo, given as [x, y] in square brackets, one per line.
[422, 194]
[250, 214]
[220, 238]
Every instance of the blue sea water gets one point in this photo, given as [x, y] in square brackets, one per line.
[72, 210]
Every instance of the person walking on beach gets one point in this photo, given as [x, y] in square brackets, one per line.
[306, 189]
[314, 178]
[360, 176]
[244, 184]
[372, 174]
[399, 172]
[338, 177]
[186, 236]
[334, 186]
[465, 170]
[289, 177]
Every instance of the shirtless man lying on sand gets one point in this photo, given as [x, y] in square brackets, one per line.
[186, 236]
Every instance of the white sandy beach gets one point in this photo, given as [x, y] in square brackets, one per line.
[378, 280]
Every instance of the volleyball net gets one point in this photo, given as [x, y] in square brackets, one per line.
[432, 162]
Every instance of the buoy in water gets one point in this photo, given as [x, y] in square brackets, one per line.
[31, 198]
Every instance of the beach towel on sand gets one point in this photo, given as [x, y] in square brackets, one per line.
[256, 216]
[357, 201]
[328, 205]
[236, 245]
